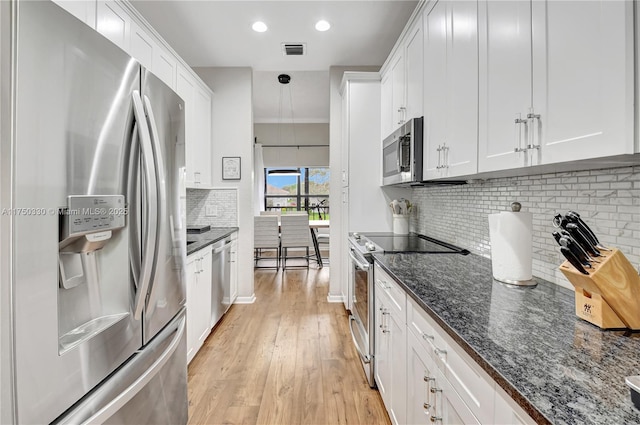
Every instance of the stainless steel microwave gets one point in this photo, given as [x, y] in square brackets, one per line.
[402, 154]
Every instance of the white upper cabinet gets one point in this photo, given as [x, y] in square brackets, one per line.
[402, 82]
[435, 89]
[197, 129]
[386, 102]
[165, 66]
[582, 78]
[398, 105]
[142, 46]
[505, 82]
[114, 23]
[450, 90]
[414, 53]
[555, 79]
[200, 147]
[85, 10]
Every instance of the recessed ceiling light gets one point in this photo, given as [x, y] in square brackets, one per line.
[259, 26]
[323, 25]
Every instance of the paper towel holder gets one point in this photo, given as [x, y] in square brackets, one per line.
[515, 283]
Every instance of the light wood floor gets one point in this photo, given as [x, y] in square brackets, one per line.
[286, 359]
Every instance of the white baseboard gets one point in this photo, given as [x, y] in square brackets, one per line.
[245, 300]
[335, 298]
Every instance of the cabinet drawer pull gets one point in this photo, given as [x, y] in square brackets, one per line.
[439, 351]
[435, 419]
[428, 378]
[426, 336]
[426, 406]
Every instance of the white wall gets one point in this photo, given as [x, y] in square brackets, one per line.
[608, 201]
[232, 123]
[296, 135]
[336, 256]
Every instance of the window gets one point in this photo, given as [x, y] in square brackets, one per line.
[308, 190]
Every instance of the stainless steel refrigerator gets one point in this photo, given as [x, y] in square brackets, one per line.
[98, 222]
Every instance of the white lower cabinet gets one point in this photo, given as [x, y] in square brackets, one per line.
[421, 377]
[198, 300]
[508, 412]
[233, 292]
[391, 346]
[440, 382]
[431, 398]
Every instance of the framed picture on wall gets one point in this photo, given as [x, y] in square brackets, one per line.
[230, 168]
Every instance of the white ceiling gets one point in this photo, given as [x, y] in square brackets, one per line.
[218, 34]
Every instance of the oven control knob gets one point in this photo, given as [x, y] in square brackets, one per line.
[370, 246]
[356, 236]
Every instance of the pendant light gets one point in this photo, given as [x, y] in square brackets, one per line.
[284, 80]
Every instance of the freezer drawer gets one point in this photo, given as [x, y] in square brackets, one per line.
[149, 389]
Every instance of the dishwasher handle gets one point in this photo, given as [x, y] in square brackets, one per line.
[225, 247]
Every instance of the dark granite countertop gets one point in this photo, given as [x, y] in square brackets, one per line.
[558, 368]
[200, 240]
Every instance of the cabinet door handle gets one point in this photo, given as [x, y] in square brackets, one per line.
[519, 121]
[446, 155]
[435, 390]
[532, 117]
[439, 157]
[428, 380]
[435, 418]
[402, 110]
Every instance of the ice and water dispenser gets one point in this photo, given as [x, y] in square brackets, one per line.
[93, 290]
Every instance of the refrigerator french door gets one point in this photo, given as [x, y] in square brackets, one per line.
[98, 247]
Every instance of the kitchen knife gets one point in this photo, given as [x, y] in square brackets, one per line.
[574, 217]
[579, 237]
[557, 236]
[573, 260]
[575, 250]
[565, 234]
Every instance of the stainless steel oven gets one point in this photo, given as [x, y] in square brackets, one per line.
[362, 283]
[361, 320]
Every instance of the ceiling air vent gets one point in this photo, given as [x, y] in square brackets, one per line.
[293, 49]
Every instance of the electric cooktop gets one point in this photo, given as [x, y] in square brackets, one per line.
[413, 242]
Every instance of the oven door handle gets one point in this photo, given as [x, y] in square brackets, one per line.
[366, 359]
[363, 266]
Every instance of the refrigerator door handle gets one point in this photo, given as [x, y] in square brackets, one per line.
[132, 195]
[162, 191]
[151, 233]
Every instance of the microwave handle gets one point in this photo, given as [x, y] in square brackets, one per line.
[398, 153]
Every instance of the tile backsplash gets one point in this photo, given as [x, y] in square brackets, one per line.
[222, 202]
[608, 200]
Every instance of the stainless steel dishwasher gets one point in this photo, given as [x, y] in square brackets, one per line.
[220, 279]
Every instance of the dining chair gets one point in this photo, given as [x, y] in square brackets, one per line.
[322, 236]
[266, 235]
[294, 233]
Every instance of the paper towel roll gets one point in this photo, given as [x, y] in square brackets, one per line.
[511, 245]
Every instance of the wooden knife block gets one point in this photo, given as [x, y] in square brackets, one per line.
[609, 297]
